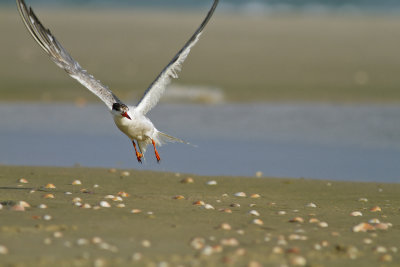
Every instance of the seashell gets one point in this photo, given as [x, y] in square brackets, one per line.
[281, 212]
[68, 193]
[257, 222]
[24, 204]
[137, 256]
[178, 197]
[76, 199]
[3, 250]
[57, 234]
[50, 186]
[199, 203]
[230, 242]
[104, 204]
[323, 224]
[187, 180]
[380, 249]
[240, 194]
[48, 196]
[23, 181]
[367, 241]
[298, 261]
[146, 243]
[374, 220]
[213, 182]
[375, 209]
[136, 211]
[82, 242]
[47, 241]
[86, 206]
[42, 206]
[120, 205]
[119, 199]
[356, 213]
[207, 251]
[78, 204]
[259, 174]
[18, 208]
[363, 199]
[313, 220]
[382, 226]
[277, 250]
[363, 227]
[386, 258]
[208, 207]
[297, 219]
[76, 182]
[122, 194]
[109, 197]
[254, 213]
[311, 205]
[112, 170]
[125, 173]
[197, 243]
[47, 217]
[225, 226]
[235, 205]
[255, 196]
[85, 190]
[226, 210]
[95, 186]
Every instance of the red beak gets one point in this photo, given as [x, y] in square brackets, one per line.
[126, 115]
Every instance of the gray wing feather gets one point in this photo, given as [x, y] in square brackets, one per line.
[157, 88]
[61, 57]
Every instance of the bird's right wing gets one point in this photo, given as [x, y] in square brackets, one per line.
[61, 57]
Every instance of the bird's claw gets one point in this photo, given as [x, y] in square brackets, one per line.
[139, 157]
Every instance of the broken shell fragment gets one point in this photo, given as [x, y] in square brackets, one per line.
[117, 199]
[323, 224]
[120, 205]
[298, 261]
[363, 199]
[313, 220]
[235, 205]
[24, 204]
[178, 197]
[85, 206]
[208, 207]
[47, 217]
[48, 196]
[146, 243]
[76, 182]
[76, 199]
[18, 208]
[255, 196]
[50, 186]
[109, 197]
[281, 212]
[375, 209]
[226, 210]
[42, 206]
[356, 213]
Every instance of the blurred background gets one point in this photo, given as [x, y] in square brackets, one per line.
[285, 88]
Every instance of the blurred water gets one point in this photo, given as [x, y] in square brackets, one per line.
[342, 142]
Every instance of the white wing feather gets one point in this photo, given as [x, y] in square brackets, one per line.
[61, 57]
[157, 88]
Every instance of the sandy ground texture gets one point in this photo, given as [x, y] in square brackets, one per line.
[98, 217]
[281, 57]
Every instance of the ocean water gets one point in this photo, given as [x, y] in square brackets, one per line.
[339, 142]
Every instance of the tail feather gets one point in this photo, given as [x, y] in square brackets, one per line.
[164, 138]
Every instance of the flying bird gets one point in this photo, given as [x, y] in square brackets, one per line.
[131, 120]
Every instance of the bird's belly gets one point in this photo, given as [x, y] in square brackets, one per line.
[133, 130]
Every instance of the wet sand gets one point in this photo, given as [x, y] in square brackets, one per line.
[173, 231]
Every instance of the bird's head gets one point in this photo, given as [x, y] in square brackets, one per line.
[120, 110]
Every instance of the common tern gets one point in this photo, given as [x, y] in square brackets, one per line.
[131, 120]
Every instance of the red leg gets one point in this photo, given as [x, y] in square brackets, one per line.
[155, 151]
[138, 155]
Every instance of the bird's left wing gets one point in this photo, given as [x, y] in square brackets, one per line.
[157, 88]
[61, 57]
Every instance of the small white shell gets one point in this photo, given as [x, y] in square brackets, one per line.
[212, 182]
[356, 213]
[240, 194]
[254, 213]
[105, 204]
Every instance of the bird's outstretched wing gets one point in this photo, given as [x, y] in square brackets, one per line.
[61, 57]
[157, 88]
